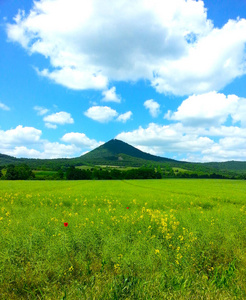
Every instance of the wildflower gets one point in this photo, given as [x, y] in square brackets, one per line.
[117, 268]
[127, 207]
[65, 224]
[157, 251]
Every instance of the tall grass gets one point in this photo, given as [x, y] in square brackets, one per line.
[159, 239]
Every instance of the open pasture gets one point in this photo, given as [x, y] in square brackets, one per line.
[136, 239]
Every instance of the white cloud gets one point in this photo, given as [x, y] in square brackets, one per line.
[205, 110]
[209, 64]
[164, 139]
[76, 79]
[105, 114]
[153, 107]
[81, 140]
[124, 117]
[60, 118]
[47, 150]
[18, 136]
[26, 142]
[41, 110]
[3, 106]
[111, 96]
[210, 109]
[56, 150]
[101, 114]
[240, 113]
[90, 43]
[189, 143]
[233, 148]
[51, 126]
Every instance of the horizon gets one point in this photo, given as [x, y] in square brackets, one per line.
[167, 78]
[106, 143]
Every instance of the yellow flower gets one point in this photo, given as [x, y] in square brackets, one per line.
[157, 251]
[117, 268]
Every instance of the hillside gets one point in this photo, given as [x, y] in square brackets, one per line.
[121, 153]
[234, 166]
[6, 159]
[118, 153]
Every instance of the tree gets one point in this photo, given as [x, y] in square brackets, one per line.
[60, 174]
[24, 172]
[20, 172]
[73, 173]
[11, 173]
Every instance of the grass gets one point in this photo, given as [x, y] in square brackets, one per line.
[40, 175]
[148, 239]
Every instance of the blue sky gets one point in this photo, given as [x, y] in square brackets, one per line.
[167, 77]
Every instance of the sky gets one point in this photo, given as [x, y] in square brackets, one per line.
[167, 77]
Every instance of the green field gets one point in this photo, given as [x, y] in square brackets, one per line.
[136, 239]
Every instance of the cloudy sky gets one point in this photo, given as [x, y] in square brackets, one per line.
[166, 76]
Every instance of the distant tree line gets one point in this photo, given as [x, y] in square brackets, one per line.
[18, 172]
[73, 173]
[24, 172]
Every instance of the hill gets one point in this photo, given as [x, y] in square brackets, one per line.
[6, 159]
[121, 153]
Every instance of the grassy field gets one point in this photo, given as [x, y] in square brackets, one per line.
[148, 239]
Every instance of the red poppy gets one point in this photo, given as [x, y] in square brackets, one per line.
[127, 208]
[65, 224]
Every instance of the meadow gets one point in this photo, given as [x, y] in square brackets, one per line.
[135, 239]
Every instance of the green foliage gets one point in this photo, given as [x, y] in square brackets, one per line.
[19, 172]
[117, 153]
[134, 239]
[117, 150]
[77, 174]
[106, 173]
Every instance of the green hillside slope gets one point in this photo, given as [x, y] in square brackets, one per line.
[118, 153]
[121, 152]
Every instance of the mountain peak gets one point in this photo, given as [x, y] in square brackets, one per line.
[115, 150]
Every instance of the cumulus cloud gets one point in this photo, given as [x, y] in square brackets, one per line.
[90, 43]
[60, 118]
[240, 113]
[168, 138]
[188, 142]
[56, 150]
[153, 107]
[18, 136]
[228, 148]
[205, 110]
[41, 110]
[75, 79]
[210, 109]
[48, 151]
[102, 114]
[111, 96]
[27, 142]
[105, 114]
[51, 126]
[81, 140]
[3, 106]
[210, 63]
[124, 117]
